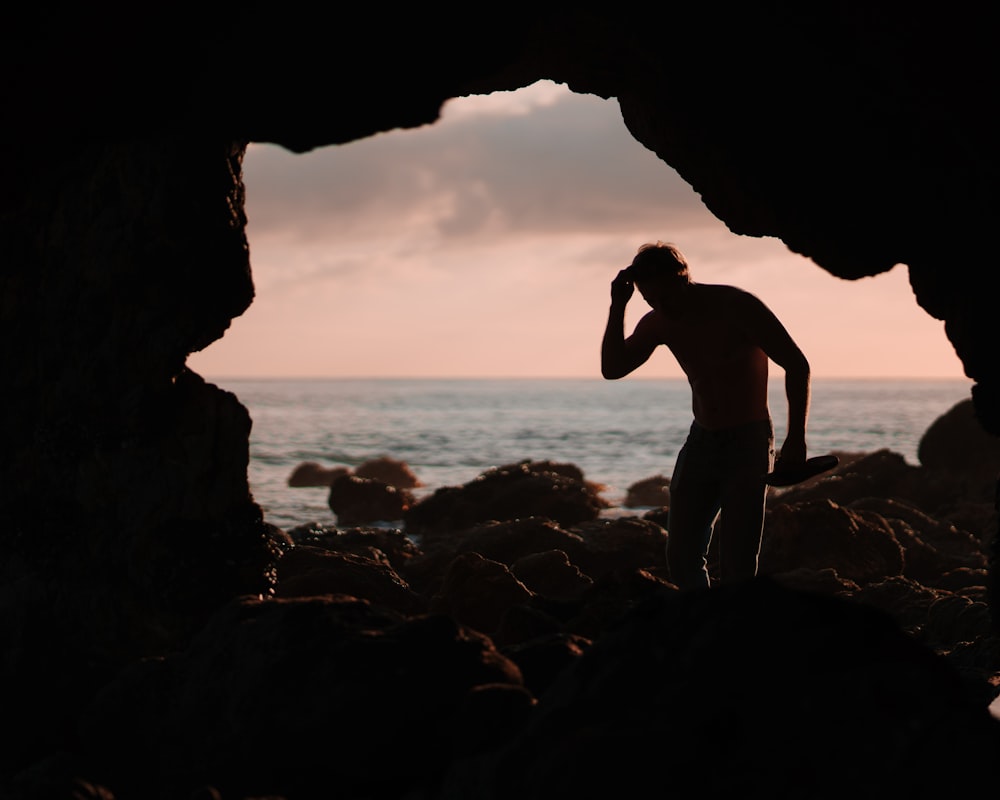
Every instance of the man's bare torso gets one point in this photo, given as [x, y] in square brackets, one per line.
[714, 346]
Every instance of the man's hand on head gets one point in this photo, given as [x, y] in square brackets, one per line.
[622, 287]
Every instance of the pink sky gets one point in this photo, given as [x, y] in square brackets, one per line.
[484, 245]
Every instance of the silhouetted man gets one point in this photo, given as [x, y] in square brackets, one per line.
[722, 337]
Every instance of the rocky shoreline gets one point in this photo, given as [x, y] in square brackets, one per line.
[508, 641]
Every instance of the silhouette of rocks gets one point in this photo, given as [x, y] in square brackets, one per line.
[360, 501]
[310, 473]
[622, 544]
[391, 543]
[859, 546]
[384, 469]
[956, 441]
[653, 491]
[478, 592]
[637, 697]
[498, 654]
[542, 659]
[881, 473]
[947, 495]
[552, 575]
[294, 695]
[509, 492]
[503, 541]
[932, 549]
[305, 571]
[388, 470]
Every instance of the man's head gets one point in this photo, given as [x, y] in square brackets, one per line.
[658, 260]
[660, 273]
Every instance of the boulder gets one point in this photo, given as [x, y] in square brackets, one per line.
[653, 491]
[388, 470]
[956, 441]
[510, 492]
[360, 501]
[310, 473]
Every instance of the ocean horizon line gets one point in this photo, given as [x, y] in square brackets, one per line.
[554, 378]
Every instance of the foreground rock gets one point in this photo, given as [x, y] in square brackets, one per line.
[491, 652]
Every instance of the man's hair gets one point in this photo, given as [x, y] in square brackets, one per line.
[658, 259]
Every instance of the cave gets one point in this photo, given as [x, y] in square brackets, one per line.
[857, 135]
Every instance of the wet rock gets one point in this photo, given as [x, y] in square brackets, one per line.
[551, 575]
[299, 694]
[621, 545]
[506, 493]
[779, 672]
[396, 546]
[653, 491]
[361, 501]
[311, 473]
[309, 571]
[859, 545]
[957, 442]
[477, 592]
[389, 470]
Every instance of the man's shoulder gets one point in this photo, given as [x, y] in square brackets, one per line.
[725, 293]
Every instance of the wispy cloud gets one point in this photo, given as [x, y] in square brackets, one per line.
[567, 167]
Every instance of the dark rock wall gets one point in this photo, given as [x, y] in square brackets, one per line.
[860, 135]
[125, 510]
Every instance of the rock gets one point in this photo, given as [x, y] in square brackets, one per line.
[388, 470]
[653, 491]
[878, 474]
[550, 574]
[309, 571]
[542, 659]
[365, 622]
[310, 473]
[506, 493]
[622, 544]
[956, 441]
[507, 541]
[477, 592]
[398, 548]
[783, 673]
[360, 501]
[859, 545]
[300, 694]
[931, 548]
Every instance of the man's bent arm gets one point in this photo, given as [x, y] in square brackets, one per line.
[783, 351]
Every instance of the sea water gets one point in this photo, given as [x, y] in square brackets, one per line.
[618, 432]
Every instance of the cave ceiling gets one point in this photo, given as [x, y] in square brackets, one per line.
[861, 135]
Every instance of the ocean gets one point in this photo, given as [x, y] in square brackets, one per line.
[618, 432]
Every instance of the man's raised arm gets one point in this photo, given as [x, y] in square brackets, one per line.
[619, 356]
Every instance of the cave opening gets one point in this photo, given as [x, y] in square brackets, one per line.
[481, 247]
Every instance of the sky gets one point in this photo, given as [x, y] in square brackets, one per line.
[484, 246]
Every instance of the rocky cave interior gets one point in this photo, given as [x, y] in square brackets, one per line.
[859, 136]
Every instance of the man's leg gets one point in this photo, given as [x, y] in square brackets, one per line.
[744, 495]
[694, 505]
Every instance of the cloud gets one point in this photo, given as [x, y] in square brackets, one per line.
[552, 161]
